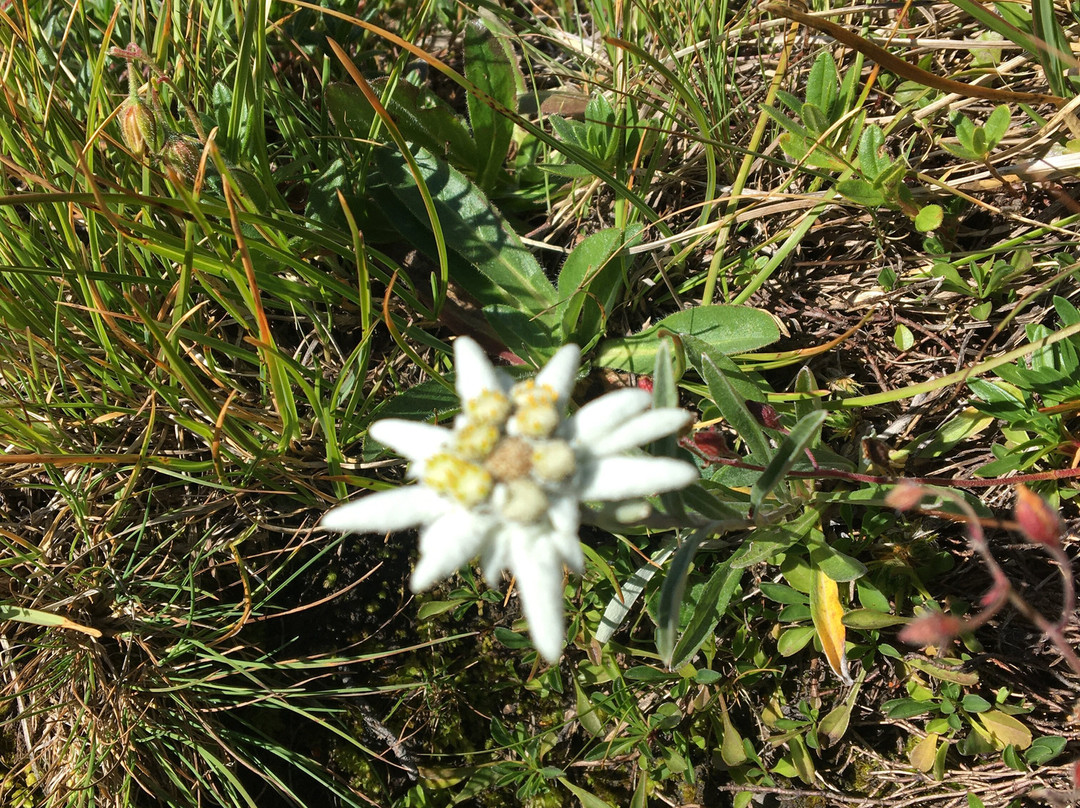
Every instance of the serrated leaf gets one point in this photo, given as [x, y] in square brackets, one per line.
[827, 614]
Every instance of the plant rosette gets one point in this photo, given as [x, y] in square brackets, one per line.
[505, 484]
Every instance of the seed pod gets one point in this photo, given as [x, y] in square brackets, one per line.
[138, 126]
[181, 154]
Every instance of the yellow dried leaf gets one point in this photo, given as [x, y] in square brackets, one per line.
[828, 616]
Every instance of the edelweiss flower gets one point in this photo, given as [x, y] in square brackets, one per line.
[506, 482]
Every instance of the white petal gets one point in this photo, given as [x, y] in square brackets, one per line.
[447, 544]
[565, 514]
[594, 420]
[615, 478]
[560, 372]
[495, 556]
[568, 546]
[397, 509]
[412, 439]
[642, 429]
[473, 373]
[539, 572]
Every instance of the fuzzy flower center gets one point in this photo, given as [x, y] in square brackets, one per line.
[504, 453]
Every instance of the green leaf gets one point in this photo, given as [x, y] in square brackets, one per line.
[870, 620]
[800, 757]
[711, 607]
[587, 713]
[1054, 54]
[834, 726]
[974, 703]
[929, 218]
[861, 192]
[617, 607]
[872, 158]
[591, 282]
[997, 124]
[671, 595]
[815, 118]
[491, 66]
[506, 272]
[794, 640]
[725, 329]
[732, 751]
[806, 150]
[423, 118]
[733, 408]
[791, 450]
[586, 798]
[1005, 729]
[823, 83]
[923, 753]
[1044, 749]
[906, 708]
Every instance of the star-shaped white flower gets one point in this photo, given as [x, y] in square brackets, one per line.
[506, 482]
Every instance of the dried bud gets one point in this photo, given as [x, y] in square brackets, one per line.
[765, 414]
[933, 628]
[1037, 520]
[905, 496]
[138, 126]
[181, 153]
[709, 444]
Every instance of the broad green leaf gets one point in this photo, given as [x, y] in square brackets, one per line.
[823, 83]
[1005, 729]
[794, 640]
[423, 118]
[801, 758]
[1044, 749]
[491, 66]
[815, 118]
[997, 125]
[806, 150]
[725, 329]
[861, 192]
[587, 714]
[872, 158]
[827, 614]
[732, 751]
[929, 218]
[591, 282]
[505, 271]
